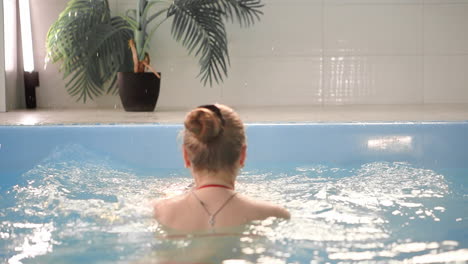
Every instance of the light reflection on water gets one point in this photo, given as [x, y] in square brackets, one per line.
[77, 206]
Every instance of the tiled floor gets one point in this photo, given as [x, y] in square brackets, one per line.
[356, 113]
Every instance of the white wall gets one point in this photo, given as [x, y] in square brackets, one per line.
[306, 52]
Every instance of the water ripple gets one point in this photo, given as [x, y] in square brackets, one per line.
[77, 201]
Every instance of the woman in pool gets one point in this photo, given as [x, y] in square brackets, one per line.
[214, 149]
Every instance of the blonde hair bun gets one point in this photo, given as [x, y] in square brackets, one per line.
[204, 124]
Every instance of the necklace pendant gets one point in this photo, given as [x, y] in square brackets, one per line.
[211, 221]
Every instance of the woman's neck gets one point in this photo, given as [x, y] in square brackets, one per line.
[204, 178]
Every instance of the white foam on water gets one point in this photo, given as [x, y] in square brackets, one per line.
[456, 256]
[342, 213]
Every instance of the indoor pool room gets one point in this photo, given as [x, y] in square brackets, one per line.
[233, 131]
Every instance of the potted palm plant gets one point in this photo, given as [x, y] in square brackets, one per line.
[94, 46]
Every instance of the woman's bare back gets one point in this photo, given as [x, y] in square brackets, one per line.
[186, 212]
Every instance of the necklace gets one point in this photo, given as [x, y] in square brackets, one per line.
[211, 221]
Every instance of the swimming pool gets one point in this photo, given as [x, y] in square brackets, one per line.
[358, 193]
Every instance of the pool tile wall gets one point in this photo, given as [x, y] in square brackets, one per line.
[306, 52]
[146, 147]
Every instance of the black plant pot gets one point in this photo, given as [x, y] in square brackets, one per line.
[138, 92]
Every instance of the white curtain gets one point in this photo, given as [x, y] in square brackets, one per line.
[2, 64]
[11, 86]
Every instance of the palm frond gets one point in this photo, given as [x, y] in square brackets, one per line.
[131, 22]
[246, 12]
[91, 46]
[131, 13]
[199, 25]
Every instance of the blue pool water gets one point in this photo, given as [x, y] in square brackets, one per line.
[358, 193]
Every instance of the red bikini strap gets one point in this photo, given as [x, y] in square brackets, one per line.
[214, 185]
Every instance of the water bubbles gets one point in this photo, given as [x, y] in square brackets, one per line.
[248, 251]
[38, 242]
[386, 203]
[347, 214]
[4, 235]
[396, 212]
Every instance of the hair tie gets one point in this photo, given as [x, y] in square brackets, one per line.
[213, 108]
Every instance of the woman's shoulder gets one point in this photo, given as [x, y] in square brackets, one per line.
[163, 207]
[262, 209]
